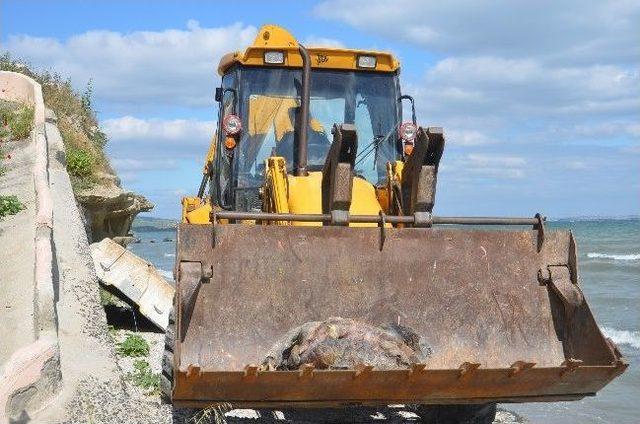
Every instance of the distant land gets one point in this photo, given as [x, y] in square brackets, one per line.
[147, 223]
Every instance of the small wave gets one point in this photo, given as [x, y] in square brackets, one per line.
[631, 257]
[631, 338]
[166, 274]
[169, 255]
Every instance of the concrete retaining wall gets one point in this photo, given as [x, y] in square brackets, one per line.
[20, 88]
[71, 345]
[31, 375]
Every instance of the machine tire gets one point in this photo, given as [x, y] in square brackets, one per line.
[458, 414]
[166, 378]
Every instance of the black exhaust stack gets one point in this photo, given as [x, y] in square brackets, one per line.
[300, 166]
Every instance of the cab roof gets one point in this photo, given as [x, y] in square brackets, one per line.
[275, 38]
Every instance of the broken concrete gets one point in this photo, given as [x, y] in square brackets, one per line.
[135, 278]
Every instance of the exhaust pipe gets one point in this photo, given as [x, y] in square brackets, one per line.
[300, 168]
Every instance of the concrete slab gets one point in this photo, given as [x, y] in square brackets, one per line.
[136, 278]
[17, 250]
[86, 352]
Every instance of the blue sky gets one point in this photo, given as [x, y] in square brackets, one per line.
[540, 101]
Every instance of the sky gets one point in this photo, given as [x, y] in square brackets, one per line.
[540, 101]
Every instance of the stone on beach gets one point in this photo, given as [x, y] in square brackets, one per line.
[339, 343]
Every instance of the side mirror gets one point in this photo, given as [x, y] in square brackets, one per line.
[218, 94]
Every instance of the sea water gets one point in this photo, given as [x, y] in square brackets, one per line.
[609, 273]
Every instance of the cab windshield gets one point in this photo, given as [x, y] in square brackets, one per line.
[269, 100]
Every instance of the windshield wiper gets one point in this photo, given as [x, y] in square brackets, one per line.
[371, 147]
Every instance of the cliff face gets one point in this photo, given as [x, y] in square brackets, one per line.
[109, 210]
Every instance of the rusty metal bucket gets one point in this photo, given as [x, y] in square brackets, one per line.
[501, 311]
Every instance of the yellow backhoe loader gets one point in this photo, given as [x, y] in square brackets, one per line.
[316, 202]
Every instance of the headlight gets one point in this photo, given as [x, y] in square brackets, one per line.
[231, 124]
[274, 58]
[367, 62]
[408, 131]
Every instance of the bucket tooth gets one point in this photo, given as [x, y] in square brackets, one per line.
[519, 366]
[570, 365]
[467, 368]
[306, 371]
[362, 370]
[416, 369]
[251, 371]
[193, 370]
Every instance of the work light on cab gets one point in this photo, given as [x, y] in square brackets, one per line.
[274, 58]
[367, 61]
[232, 125]
[408, 131]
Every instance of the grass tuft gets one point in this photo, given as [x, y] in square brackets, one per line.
[9, 205]
[143, 377]
[22, 123]
[16, 121]
[79, 163]
[134, 346]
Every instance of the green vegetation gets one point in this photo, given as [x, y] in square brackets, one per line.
[16, 121]
[77, 122]
[111, 330]
[106, 297]
[79, 163]
[2, 156]
[9, 205]
[133, 346]
[143, 377]
[22, 123]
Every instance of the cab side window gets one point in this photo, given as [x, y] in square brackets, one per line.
[222, 190]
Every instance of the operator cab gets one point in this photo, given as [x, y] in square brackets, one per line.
[259, 114]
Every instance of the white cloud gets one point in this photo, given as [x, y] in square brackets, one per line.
[468, 137]
[490, 85]
[177, 132]
[484, 160]
[175, 66]
[145, 145]
[313, 41]
[134, 165]
[470, 166]
[583, 30]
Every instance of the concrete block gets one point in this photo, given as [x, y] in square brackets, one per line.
[135, 278]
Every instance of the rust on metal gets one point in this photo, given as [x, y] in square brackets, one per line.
[416, 369]
[362, 370]
[306, 371]
[570, 365]
[519, 366]
[467, 368]
[471, 295]
[193, 371]
[251, 371]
